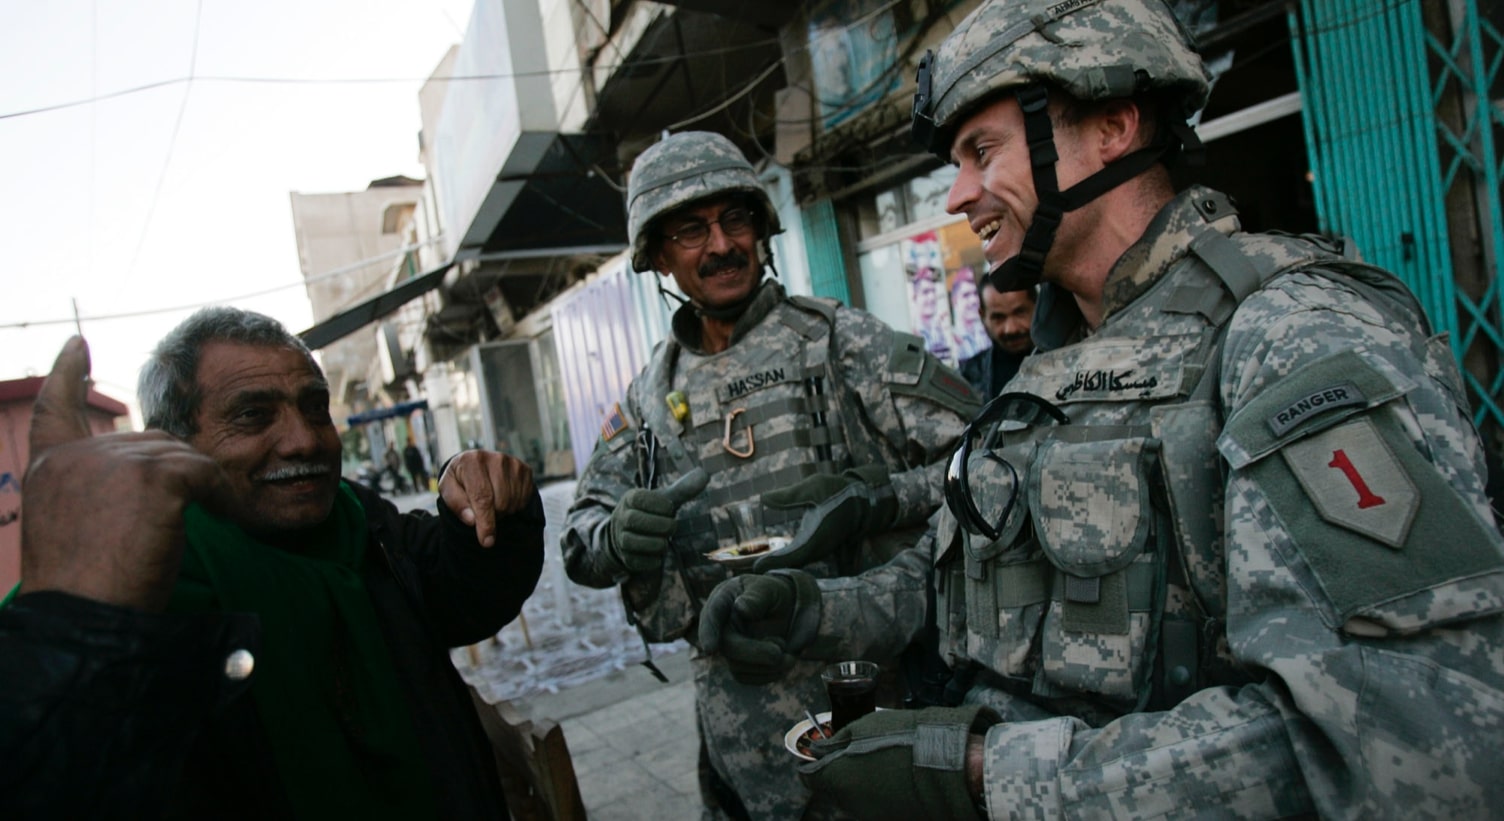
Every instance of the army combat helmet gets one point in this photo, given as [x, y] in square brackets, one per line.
[1094, 50]
[681, 169]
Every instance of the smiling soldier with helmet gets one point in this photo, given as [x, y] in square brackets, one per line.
[1223, 549]
[763, 416]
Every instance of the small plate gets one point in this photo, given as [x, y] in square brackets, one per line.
[791, 738]
[734, 557]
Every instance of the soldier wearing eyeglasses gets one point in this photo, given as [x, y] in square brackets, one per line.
[1223, 550]
[791, 425]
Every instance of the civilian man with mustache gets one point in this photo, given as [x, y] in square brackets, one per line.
[211, 623]
[820, 421]
[1006, 316]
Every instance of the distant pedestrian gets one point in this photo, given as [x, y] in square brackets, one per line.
[393, 466]
[414, 459]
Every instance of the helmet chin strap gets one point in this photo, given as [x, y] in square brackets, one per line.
[1025, 270]
[667, 295]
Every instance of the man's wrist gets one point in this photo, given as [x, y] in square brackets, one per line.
[975, 746]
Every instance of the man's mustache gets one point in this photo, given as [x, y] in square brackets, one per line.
[1014, 338]
[734, 258]
[296, 470]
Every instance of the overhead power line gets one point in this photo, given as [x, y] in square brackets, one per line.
[332, 81]
[341, 271]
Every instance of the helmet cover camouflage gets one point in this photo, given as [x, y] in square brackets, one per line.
[679, 170]
[1094, 49]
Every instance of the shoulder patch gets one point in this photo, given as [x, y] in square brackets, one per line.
[1312, 398]
[1355, 481]
[1322, 397]
[614, 423]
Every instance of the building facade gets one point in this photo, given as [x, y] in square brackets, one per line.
[1378, 123]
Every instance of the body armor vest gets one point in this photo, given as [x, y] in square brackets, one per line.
[1106, 594]
[763, 414]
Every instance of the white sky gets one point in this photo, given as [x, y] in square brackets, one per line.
[102, 204]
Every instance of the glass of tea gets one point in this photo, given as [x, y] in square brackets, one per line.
[851, 687]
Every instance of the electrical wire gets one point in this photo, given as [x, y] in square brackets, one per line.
[341, 271]
[312, 81]
[172, 142]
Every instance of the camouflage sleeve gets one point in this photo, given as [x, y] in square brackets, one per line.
[610, 473]
[877, 614]
[913, 405]
[1369, 623]
[659, 600]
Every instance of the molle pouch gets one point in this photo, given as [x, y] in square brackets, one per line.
[949, 581]
[1007, 581]
[1194, 484]
[1089, 495]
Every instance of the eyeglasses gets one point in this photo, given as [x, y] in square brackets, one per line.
[981, 490]
[733, 221]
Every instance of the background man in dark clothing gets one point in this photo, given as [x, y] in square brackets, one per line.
[1006, 316]
[414, 459]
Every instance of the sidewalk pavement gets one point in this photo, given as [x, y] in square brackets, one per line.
[632, 740]
[572, 658]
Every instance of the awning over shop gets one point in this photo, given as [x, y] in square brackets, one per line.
[378, 414]
[349, 321]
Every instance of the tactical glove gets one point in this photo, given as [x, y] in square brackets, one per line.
[900, 763]
[760, 623]
[644, 520]
[841, 509]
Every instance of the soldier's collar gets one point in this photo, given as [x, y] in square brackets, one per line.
[1165, 242]
[689, 331]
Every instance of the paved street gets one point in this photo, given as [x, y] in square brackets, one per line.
[573, 658]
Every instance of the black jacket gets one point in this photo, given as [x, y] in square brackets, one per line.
[113, 712]
[989, 370]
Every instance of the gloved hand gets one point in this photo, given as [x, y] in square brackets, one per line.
[900, 763]
[841, 508]
[644, 520]
[760, 623]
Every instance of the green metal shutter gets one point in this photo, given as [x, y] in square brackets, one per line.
[822, 244]
[1403, 143]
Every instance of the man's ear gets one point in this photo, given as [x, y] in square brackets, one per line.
[1119, 125]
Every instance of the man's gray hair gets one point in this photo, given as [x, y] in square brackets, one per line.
[168, 387]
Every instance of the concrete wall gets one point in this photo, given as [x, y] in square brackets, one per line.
[336, 231]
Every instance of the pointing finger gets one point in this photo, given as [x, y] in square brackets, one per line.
[59, 415]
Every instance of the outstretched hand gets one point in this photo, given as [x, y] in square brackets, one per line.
[103, 515]
[480, 485]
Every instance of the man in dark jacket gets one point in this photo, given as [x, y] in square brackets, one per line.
[1006, 315]
[211, 623]
[415, 467]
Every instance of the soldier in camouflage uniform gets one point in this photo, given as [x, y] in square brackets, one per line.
[1223, 550]
[819, 421]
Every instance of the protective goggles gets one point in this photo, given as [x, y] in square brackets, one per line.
[981, 490]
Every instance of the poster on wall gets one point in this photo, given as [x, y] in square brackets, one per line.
[853, 48]
[942, 269]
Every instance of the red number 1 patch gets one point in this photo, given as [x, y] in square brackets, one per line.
[1353, 458]
[1366, 498]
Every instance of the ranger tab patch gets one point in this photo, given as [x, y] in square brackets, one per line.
[1355, 481]
[1321, 399]
[614, 423]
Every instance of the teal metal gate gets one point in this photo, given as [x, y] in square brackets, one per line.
[1404, 145]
